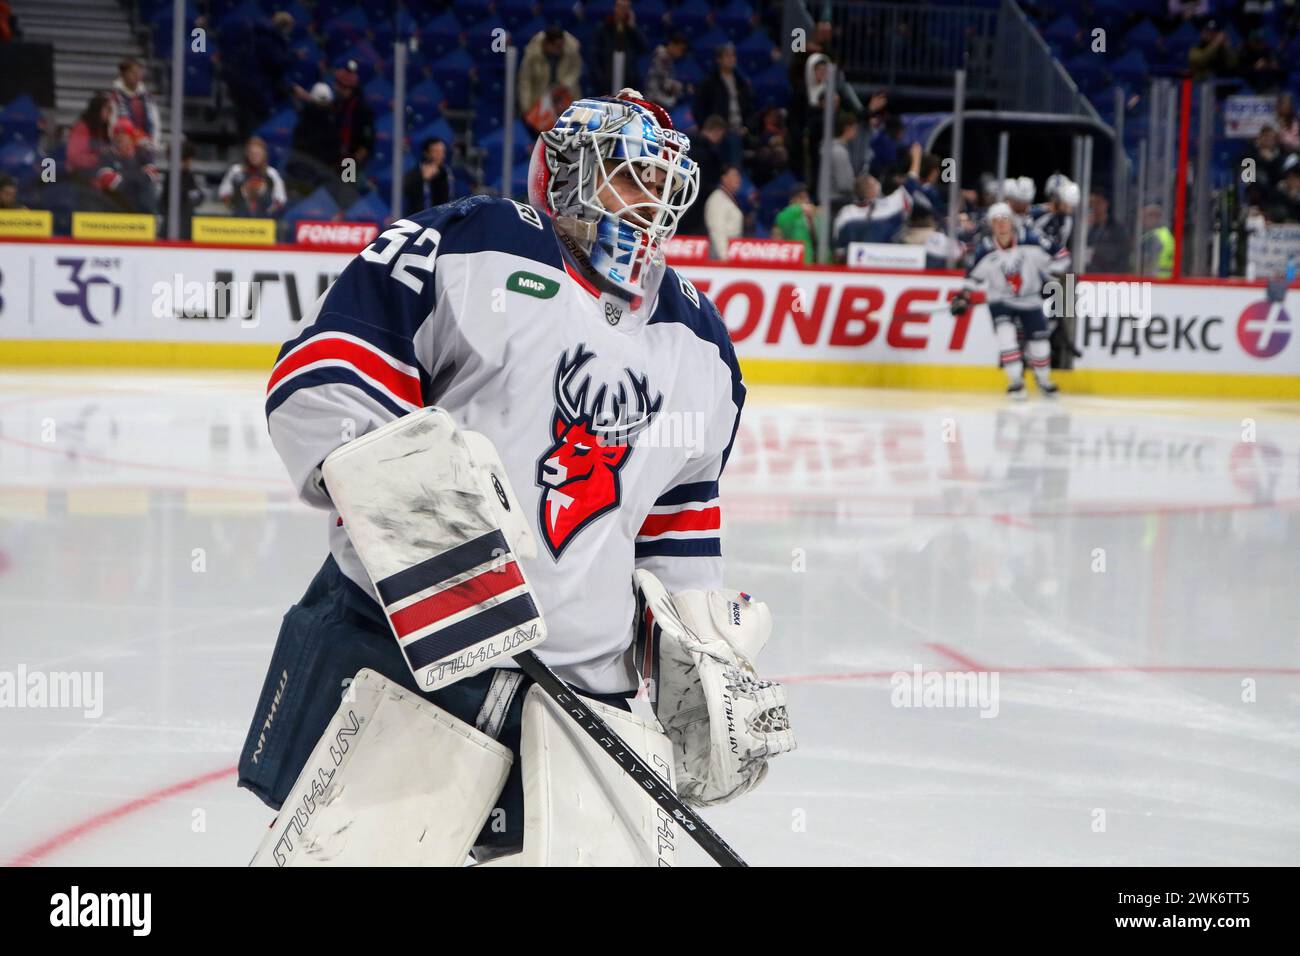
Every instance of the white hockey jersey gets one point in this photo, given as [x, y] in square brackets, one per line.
[473, 307]
[1013, 277]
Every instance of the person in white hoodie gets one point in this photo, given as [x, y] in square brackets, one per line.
[132, 101]
[722, 215]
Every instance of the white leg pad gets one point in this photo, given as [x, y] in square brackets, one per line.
[394, 781]
[580, 808]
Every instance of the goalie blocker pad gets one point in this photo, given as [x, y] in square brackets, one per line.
[429, 509]
[394, 781]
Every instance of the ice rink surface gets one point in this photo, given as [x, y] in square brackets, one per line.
[1125, 574]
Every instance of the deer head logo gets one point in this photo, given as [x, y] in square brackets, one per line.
[591, 441]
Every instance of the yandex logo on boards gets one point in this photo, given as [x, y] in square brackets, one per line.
[848, 315]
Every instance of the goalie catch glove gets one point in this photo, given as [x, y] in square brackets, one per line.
[724, 721]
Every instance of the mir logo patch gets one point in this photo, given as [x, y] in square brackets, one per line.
[530, 283]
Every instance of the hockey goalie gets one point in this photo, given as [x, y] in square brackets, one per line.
[517, 417]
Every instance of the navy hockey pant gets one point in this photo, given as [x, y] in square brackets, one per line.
[333, 632]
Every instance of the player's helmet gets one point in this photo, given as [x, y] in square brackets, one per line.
[593, 141]
[1068, 194]
[1000, 210]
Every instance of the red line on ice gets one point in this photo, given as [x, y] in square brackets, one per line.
[73, 833]
[1082, 669]
[957, 657]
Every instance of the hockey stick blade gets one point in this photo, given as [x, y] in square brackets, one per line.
[629, 760]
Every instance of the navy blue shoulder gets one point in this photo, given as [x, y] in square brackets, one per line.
[489, 224]
[681, 302]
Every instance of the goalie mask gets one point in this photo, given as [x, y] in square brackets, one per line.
[595, 144]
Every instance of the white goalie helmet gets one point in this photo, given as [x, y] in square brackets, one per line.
[593, 142]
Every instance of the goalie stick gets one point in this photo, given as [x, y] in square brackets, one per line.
[629, 760]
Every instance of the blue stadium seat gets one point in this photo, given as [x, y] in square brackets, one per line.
[683, 117]
[369, 208]
[772, 87]
[20, 121]
[1130, 68]
[21, 161]
[378, 94]
[754, 53]
[440, 36]
[1145, 38]
[319, 205]
[423, 103]
[438, 129]
[1063, 30]
[734, 19]
[278, 130]
[453, 73]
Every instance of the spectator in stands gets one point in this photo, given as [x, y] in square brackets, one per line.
[707, 151]
[1213, 55]
[726, 93]
[1288, 124]
[723, 217]
[798, 222]
[254, 69]
[8, 30]
[1259, 63]
[1157, 246]
[1267, 157]
[132, 101]
[843, 175]
[661, 83]
[314, 150]
[921, 230]
[618, 32]
[800, 121]
[253, 188]
[548, 76]
[923, 181]
[1285, 206]
[192, 191]
[428, 184]
[1108, 244]
[770, 155]
[9, 193]
[887, 147]
[872, 217]
[354, 121]
[88, 143]
[125, 178]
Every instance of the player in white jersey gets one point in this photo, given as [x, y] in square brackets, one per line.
[1009, 270]
[610, 390]
[1055, 220]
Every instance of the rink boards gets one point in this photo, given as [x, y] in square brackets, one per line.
[181, 305]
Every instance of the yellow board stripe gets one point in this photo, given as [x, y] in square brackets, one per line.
[255, 355]
[966, 378]
[969, 378]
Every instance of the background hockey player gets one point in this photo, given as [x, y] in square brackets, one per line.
[556, 331]
[1010, 267]
[1055, 221]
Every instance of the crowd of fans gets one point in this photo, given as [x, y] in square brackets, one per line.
[311, 143]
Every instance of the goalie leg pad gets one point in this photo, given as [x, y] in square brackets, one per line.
[395, 780]
[580, 808]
